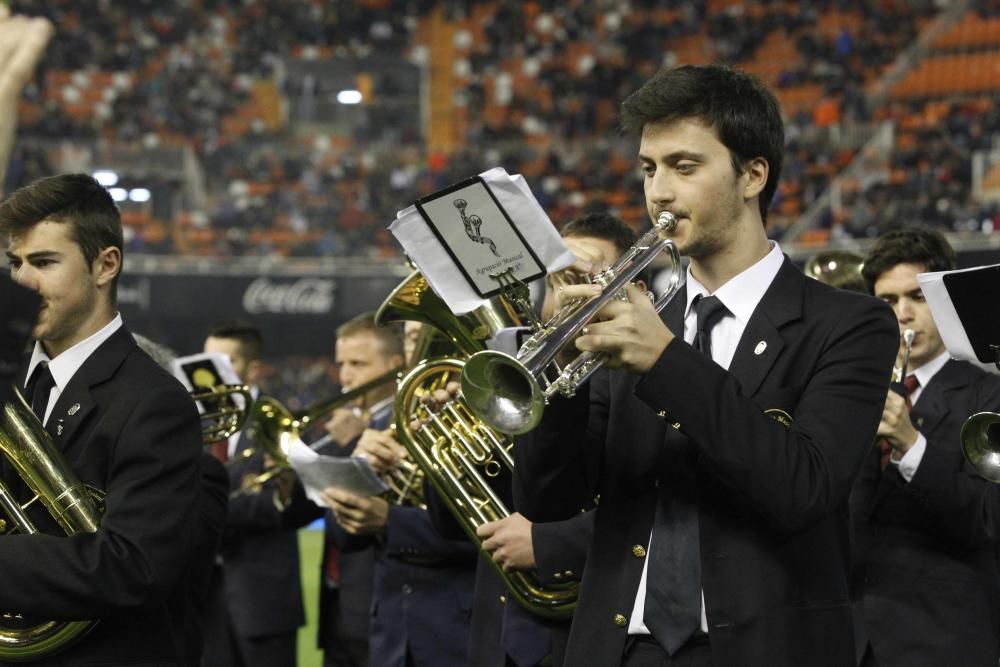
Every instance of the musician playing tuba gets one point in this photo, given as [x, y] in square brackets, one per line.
[925, 523]
[418, 604]
[126, 428]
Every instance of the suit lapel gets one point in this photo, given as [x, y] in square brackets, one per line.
[933, 405]
[76, 402]
[762, 342]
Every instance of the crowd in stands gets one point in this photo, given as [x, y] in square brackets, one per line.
[536, 86]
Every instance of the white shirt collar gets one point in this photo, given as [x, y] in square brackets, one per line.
[65, 366]
[926, 372]
[741, 293]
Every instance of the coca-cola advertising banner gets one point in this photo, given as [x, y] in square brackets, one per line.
[296, 314]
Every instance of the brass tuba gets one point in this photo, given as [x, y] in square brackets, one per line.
[76, 507]
[458, 454]
[222, 416]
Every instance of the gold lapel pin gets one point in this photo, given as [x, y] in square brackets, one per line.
[74, 409]
[761, 346]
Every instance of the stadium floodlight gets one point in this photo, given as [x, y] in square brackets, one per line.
[118, 194]
[139, 194]
[106, 177]
[349, 97]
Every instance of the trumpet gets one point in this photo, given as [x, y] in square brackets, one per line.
[899, 374]
[507, 392]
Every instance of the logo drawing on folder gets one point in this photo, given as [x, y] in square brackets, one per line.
[472, 224]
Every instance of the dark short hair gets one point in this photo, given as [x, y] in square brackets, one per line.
[914, 245]
[246, 334]
[74, 199]
[738, 106]
[602, 225]
[389, 335]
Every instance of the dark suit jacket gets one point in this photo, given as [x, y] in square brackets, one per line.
[422, 594]
[130, 429]
[193, 597]
[260, 556]
[772, 494]
[924, 565]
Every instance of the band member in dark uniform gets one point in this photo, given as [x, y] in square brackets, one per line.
[719, 448]
[123, 424]
[924, 524]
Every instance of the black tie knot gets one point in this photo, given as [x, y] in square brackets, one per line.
[709, 310]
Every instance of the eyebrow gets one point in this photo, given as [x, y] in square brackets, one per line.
[676, 156]
[34, 256]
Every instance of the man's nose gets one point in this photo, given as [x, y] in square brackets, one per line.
[26, 277]
[660, 188]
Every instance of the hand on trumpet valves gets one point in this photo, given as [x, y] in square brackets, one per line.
[358, 515]
[381, 449]
[345, 425]
[896, 426]
[630, 332]
[508, 542]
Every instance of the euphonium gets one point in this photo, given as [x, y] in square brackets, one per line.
[75, 507]
[458, 454]
[510, 393]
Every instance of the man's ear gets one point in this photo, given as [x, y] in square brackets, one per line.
[756, 172]
[107, 265]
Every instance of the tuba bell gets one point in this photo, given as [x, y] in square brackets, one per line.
[77, 508]
[981, 444]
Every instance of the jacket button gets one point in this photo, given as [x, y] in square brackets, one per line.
[503, 599]
[662, 414]
[639, 551]
[620, 621]
[557, 575]
[407, 589]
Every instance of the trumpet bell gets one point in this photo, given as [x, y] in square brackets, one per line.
[502, 392]
[981, 444]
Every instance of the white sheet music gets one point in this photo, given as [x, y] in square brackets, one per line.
[318, 472]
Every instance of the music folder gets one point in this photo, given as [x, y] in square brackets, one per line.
[18, 312]
[963, 304]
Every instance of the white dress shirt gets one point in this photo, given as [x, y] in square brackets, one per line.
[65, 365]
[740, 295]
[910, 461]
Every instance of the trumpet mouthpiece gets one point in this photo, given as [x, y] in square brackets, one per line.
[908, 335]
[666, 222]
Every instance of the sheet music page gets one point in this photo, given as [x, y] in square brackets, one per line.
[318, 471]
[439, 267]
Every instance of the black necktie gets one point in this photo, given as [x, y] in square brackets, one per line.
[39, 388]
[709, 310]
[673, 578]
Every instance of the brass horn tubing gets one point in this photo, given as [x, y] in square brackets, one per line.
[323, 408]
[15, 512]
[452, 471]
[497, 444]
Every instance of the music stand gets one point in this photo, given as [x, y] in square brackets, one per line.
[963, 305]
[19, 306]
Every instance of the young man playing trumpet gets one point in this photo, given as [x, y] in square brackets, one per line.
[723, 470]
[925, 524]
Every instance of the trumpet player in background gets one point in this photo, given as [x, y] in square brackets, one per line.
[924, 524]
[724, 442]
[124, 425]
[256, 603]
[421, 590]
